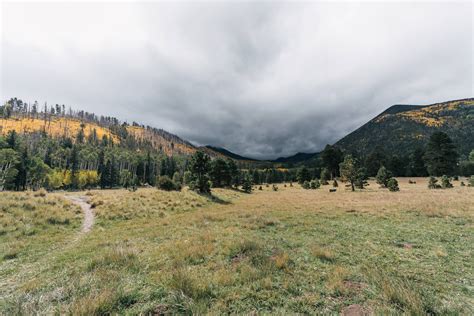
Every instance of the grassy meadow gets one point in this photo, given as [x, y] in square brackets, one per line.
[281, 252]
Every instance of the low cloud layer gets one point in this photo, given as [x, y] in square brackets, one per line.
[260, 79]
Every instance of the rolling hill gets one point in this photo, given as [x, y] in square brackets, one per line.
[62, 125]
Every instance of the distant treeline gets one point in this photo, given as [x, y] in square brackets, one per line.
[38, 160]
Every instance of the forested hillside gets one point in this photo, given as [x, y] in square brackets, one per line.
[401, 128]
[59, 149]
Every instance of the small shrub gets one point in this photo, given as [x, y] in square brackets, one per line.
[305, 185]
[433, 183]
[165, 183]
[314, 184]
[445, 182]
[471, 182]
[274, 187]
[463, 184]
[392, 185]
[335, 184]
[456, 178]
[260, 188]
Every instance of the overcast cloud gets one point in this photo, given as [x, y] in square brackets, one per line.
[260, 79]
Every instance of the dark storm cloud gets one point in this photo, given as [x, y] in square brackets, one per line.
[260, 79]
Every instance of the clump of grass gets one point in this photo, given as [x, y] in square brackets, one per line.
[335, 281]
[119, 257]
[40, 193]
[184, 282]
[322, 253]
[282, 260]
[402, 293]
[106, 302]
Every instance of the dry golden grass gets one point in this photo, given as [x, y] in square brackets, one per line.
[285, 252]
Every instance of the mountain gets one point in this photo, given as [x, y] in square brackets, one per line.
[401, 128]
[298, 157]
[228, 153]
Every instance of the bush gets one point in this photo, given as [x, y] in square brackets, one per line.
[165, 183]
[335, 184]
[392, 185]
[305, 185]
[314, 184]
[446, 182]
[463, 184]
[471, 181]
[275, 188]
[383, 176]
[433, 183]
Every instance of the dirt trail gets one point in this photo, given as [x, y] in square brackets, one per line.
[31, 270]
[86, 208]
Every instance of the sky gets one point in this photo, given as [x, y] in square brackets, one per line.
[262, 79]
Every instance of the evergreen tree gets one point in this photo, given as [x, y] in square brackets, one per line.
[74, 161]
[12, 139]
[102, 171]
[361, 179]
[220, 173]
[233, 172]
[440, 155]
[374, 161]
[22, 167]
[417, 166]
[150, 174]
[331, 158]
[247, 183]
[383, 176]
[200, 166]
[114, 173]
[303, 175]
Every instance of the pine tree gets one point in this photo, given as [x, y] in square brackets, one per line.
[440, 155]
[383, 176]
[74, 161]
[247, 183]
[303, 175]
[220, 173]
[200, 167]
[417, 166]
[331, 158]
[102, 171]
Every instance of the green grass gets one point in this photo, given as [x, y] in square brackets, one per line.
[291, 251]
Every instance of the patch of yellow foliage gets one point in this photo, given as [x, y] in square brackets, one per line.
[434, 116]
[56, 127]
